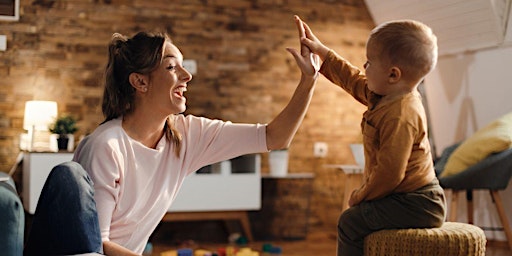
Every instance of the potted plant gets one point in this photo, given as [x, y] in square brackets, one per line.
[64, 126]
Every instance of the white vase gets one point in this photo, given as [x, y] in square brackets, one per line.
[278, 163]
[71, 143]
[358, 153]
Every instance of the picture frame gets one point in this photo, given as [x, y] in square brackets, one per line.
[9, 10]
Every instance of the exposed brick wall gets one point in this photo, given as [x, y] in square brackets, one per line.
[57, 51]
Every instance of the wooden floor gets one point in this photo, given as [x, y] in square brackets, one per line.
[319, 242]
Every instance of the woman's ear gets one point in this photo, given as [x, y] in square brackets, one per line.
[395, 74]
[138, 81]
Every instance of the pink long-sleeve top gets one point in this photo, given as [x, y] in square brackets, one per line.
[135, 185]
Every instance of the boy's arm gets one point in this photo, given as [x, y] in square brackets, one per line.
[312, 42]
[340, 72]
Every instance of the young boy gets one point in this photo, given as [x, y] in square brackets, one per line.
[400, 188]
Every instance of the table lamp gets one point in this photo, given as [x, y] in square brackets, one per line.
[38, 116]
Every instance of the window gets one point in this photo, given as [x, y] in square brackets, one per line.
[10, 10]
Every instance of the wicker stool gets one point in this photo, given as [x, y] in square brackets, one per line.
[453, 238]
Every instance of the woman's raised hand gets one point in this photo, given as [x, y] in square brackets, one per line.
[308, 62]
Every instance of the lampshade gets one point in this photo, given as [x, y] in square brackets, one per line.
[39, 115]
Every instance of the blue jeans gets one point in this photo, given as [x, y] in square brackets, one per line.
[66, 220]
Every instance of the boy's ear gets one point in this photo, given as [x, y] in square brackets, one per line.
[395, 74]
[138, 81]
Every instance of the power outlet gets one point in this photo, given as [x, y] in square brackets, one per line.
[320, 149]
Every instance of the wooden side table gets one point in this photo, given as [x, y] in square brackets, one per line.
[354, 180]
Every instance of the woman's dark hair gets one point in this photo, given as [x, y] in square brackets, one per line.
[140, 54]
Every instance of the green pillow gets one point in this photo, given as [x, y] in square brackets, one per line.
[493, 138]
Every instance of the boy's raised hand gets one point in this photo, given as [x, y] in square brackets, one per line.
[307, 61]
[311, 41]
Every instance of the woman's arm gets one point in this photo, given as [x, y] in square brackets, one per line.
[113, 249]
[282, 128]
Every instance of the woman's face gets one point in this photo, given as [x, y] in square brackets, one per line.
[168, 82]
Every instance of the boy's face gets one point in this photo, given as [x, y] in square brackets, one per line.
[377, 70]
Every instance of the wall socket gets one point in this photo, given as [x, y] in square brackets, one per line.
[320, 149]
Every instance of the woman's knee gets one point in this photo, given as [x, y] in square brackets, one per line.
[69, 171]
[72, 174]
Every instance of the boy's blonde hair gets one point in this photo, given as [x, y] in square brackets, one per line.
[410, 45]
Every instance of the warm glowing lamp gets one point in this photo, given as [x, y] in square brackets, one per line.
[38, 116]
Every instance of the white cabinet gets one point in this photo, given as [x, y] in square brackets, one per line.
[218, 187]
[232, 187]
[36, 168]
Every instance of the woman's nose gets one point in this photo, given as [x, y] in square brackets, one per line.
[187, 76]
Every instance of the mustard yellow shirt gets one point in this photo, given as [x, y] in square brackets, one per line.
[395, 134]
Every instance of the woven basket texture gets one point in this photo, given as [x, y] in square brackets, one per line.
[452, 239]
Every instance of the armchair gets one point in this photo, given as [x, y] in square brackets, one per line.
[492, 173]
[12, 218]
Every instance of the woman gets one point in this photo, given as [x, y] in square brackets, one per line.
[139, 156]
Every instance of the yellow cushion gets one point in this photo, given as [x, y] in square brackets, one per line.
[493, 138]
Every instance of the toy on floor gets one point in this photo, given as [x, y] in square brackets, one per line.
[270, 250]
[227, 251]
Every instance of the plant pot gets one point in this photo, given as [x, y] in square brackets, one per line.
[65, 142]
[62, 142]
